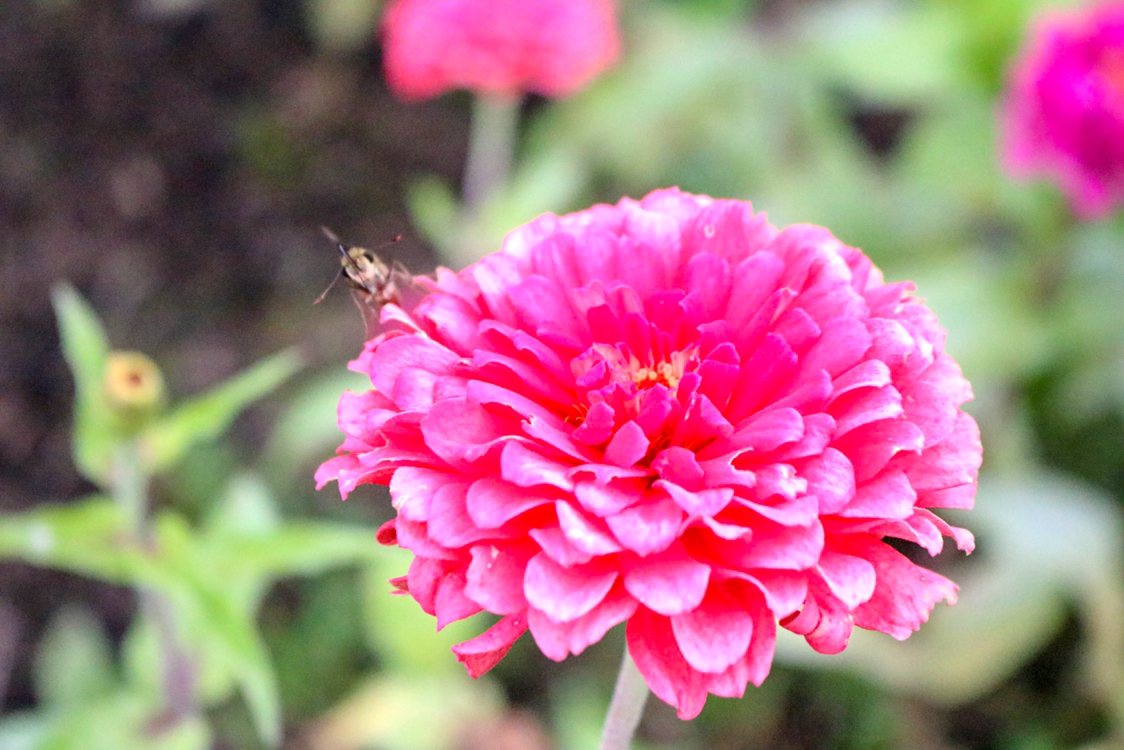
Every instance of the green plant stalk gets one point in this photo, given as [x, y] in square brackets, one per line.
[130, 488]
[626, 707]
[490, 147]
[130, 492]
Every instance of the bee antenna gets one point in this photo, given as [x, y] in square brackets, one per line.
[327, 289]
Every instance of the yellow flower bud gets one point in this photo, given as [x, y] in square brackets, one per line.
[133, 387]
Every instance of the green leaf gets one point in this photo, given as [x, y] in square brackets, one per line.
[88, 536]
[235, 638]
[91, 537]
[206, 417]
[247, 547]
[299, 548]
[887, 50]
[85, 346]
[121, 721]
[73, 663]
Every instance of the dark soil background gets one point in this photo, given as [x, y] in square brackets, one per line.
[176, 170]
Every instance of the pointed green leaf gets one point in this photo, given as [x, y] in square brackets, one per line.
[234, 635]
[87, 536]
[86, 347]
[297, 548]
[207, 416]
[247, 547]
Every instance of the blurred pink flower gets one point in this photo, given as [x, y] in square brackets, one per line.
[671, 414]
[1063, 112]
[552, 47]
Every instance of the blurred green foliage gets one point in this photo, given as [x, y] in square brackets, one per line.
[875, 118]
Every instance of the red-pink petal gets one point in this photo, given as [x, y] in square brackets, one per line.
[889, 495]
[565, 594]
[653, 648]
[491, 502]
[527, 468]
[851, 579]
[670, 582]
[494, 578]
[648, 527]
[905, 593]
[627, 446]
[713, 635]
[586, 533]
[485, 650]
[451, 604]
[557, 640]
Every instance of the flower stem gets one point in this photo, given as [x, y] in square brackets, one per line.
[130, 492]
[627, 706]
[130, 488]
[490, 146]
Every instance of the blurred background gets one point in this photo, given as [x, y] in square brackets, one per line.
[173, 160]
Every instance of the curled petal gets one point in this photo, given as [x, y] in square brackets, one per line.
[485, 650]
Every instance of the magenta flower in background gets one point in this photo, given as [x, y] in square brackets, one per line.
[508, 47]
[1063, 113]
[670, 414]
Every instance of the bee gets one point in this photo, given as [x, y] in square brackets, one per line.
[373, 283]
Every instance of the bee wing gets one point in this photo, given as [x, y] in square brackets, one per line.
[409, 289]
[369, 308]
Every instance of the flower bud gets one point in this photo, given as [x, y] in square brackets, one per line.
[134, 388]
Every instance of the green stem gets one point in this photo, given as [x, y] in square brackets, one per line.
[130, 488]
[490, 146]
[626, 707]
[130, 492]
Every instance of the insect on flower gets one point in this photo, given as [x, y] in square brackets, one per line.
[373, 283]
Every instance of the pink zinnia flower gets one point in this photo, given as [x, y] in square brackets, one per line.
[670, 414]
[552, 47]
[1063, 113]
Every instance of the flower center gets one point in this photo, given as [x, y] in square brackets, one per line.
[615, 375]
[607, 365]
[666, 372]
